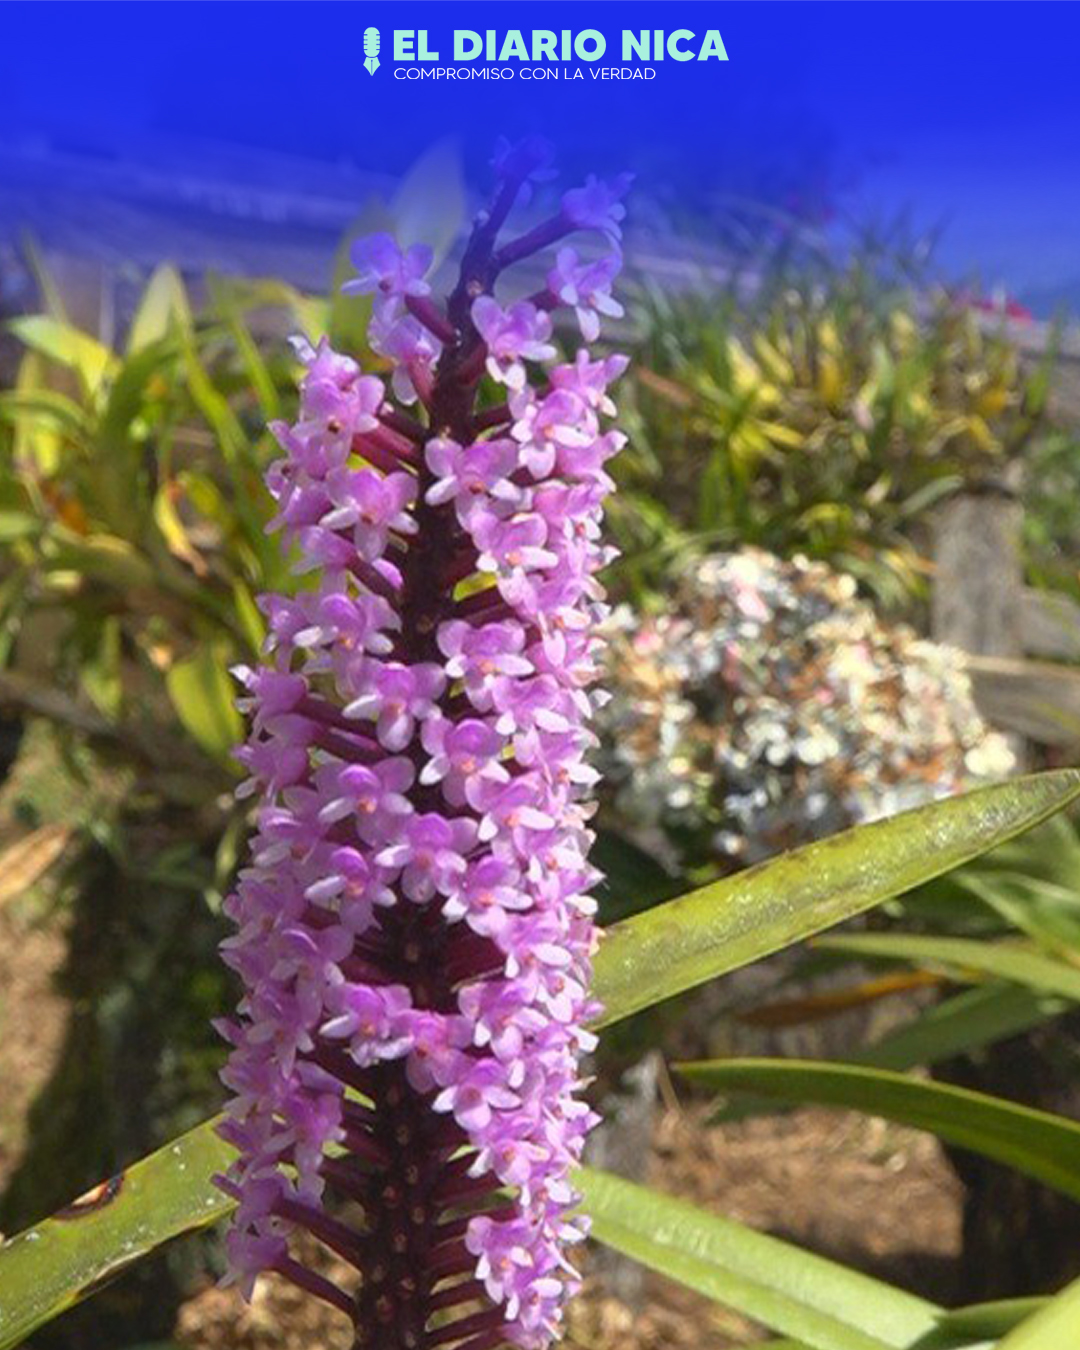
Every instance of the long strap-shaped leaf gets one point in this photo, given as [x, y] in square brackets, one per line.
[1054, 1327]
[801, 1295]
[988, 1321]
[964, 956]
[49, 1268]
[735, 921]
[1037, 1143]
[57, 1264]
[965, 1022]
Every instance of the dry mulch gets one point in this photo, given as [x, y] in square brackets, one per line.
[853, 1188]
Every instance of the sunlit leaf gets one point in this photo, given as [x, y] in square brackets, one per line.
[732, 922]
[966, 959]
[814, 1300]
[67, 345]
[173, 531]
[59, 1262]
[1041, 1145]
[1056, 1326]
[25, 862]
[202, 694]
[163, 307]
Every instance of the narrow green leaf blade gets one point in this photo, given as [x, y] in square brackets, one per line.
[67, 345]
[1054, 1327]
[967, 1021]
[794, 1292]
[1041, 1145]
[966, 958]
[202, 694]
[988, 1321]
[55, 1265]
[162, 306]
[730, 923]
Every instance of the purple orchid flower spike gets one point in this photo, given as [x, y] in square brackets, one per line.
[414, 929]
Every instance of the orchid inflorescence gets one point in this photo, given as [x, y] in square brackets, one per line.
[415, 927]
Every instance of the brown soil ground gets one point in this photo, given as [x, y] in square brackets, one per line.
[858, 1189]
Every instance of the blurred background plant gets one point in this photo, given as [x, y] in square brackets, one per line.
[821, 408]
[767, 706]
[132, 550]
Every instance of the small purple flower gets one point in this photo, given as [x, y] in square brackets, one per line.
[396, 697]
[413, 931]
[512, 336]
[587, 287]
[462, 753]
[479, 655]
[598, 205]
[468, 476]
[430, 855]
[383, 267]
[545, 425]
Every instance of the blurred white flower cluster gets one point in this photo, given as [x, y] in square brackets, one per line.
[770, 706]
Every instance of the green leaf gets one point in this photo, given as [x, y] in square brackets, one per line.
[145, 378]
[1054, 1327]
[968, 1021]
[249, 620]
[1041, 1145]
[105, 558]
[38, 441]
[46, 282]
[807, 1297]
[17, 525]
[173, 531]
[255, 367]
[36, 406]
[163, 307]
[100, 670]
[202, 695]
[55, 1265]
[730, 923]
[67, 345]
[966, 959]
[429, 206]
[1047, 911]
[988, 1321]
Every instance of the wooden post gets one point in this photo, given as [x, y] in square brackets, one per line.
[977, 602]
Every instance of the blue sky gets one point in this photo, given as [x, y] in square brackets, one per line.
[969, 113]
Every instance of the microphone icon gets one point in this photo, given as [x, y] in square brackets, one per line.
[371, 49]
